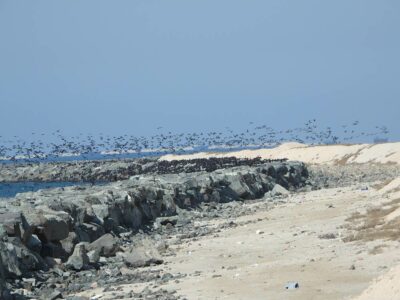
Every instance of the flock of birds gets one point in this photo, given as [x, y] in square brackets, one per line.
[255, 136]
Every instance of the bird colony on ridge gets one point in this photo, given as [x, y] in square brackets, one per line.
[42, 147]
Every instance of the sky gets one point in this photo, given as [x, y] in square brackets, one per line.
[131, 66]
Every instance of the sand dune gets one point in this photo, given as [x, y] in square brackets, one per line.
[325, 154]
[386, 215]
[385, 287]
[303, 238]
[392, 186]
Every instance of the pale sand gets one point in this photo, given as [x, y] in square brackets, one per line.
[326, 154]
[386, 287]
[241, 263]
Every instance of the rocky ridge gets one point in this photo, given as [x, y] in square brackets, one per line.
[63, 235]
[114, 170]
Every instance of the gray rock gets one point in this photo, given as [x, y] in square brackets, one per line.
[94, 256]
[60, 218]
[279, 190]
[17, 259]
[141, 258]
[89, 232]
[28, 283]
[163, 221]
[239, 187]
[68, 244]
[101, 211]
[51, 261]
[107, 245]
[11, 222]
[6, 294]
[79, 259]
[54, 249]
[53, 296]
[143, 253]
[103, 260]
[55, 228]
[52, 226]
[34, 243]
[10, 266]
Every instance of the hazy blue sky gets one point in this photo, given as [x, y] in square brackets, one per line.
[131, 66]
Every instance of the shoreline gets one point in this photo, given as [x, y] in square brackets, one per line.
[155, 234]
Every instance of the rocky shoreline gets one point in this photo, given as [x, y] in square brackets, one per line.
[58, 243]
[115, 170]
[61, 241]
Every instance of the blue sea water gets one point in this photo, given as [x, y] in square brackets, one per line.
[9, 190]
[100, 156]
[86, 157]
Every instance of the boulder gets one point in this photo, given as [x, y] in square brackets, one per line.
[49, 226]
[279, 190]
[75, 206]
[101, 211]
[18, 259]
[54, 249]
[107, 245]
[10, 263]
[55, 228]
[15, 225]
[11, 222]
[141, 257]
[69, 243]
[238, 186]
[34, 243]
[79, 259]
[142, 253]
[94, 256]
[89, 232]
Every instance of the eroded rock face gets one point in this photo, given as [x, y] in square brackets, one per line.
[51, 223]
[18, 259]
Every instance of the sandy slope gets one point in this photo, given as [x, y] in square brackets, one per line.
[336, 243]
[330, 154]
[302, 238]
[385, 287]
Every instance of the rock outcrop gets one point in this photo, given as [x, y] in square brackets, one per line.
[114, 170]
[77, 225]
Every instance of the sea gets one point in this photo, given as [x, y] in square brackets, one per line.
[9, 190]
